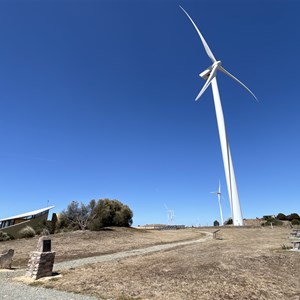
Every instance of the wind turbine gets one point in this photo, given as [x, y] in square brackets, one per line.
[218, 193]
[210, 76]
[170, 214]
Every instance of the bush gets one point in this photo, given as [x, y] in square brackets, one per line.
[281, 217]
[216, 223]
[293, 216]
[5, 236]
[295, 222]
[228, 222]
[274, 222]
[27, 232]
[268, 217]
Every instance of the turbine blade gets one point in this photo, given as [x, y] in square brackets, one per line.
[206, 47]
[208, 81]
[230, 75]
[219, 187]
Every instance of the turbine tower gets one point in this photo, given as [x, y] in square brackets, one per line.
[218, 193]
[210, 76]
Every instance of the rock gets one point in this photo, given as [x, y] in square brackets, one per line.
[6, 259]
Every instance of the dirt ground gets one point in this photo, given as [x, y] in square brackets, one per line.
[79, 244]
[243, 263]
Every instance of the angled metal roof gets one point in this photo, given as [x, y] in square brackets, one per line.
[31, 213]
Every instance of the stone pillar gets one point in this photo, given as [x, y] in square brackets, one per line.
[41, 261]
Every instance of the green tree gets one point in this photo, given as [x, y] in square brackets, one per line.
[281, 217]
[110, 213]
[77, 215]
[293, 216]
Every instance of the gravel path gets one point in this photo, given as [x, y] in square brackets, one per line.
[17, 291]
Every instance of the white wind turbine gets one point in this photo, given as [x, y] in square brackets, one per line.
[210, 76]
[218, 193]
[170, 215]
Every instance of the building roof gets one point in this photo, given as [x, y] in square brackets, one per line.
[31, 213]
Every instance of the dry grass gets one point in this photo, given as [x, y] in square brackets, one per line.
[79, 244]
[245, 263]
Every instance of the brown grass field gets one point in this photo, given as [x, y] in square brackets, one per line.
[243, 263]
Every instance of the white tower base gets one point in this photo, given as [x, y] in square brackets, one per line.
[228, 166]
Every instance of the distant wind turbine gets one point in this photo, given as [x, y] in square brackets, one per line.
[218, 193]
[210, 76]
[170, 215]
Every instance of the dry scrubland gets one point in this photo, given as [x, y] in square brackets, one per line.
[244, 263]
[80, 244]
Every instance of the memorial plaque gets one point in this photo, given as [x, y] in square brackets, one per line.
[46, 245]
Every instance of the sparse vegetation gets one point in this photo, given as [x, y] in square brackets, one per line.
[294, 218]
[240, 266]
[272, 221]
[295, 222]
[286, 247]
[27, 232]
[5, 236]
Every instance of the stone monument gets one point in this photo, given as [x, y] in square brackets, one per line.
[41, 261]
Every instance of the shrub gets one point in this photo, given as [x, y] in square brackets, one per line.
[27, 232]
[274, 222]
[228, 222]
[44, 232]
[295, 222]
[267, 217]
[281, 217]
[5, 236]
[293, 216]
[216, 223]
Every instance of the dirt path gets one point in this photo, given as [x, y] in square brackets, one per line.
[123, 254]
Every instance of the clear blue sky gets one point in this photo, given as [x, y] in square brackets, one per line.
[97, 100]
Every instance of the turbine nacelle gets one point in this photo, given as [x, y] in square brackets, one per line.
[205, 74]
